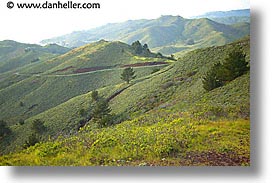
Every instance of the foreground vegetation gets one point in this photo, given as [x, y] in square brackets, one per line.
[175, 141]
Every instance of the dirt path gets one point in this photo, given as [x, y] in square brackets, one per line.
[84, 73]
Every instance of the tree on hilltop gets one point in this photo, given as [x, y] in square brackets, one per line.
[137, 47]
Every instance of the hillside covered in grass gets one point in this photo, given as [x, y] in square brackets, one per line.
[162, 117]
[34, 89]
[166, 34]
[14, 55]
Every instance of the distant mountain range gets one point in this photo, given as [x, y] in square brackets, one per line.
[220, 14]
[228, 17]
[167, 34]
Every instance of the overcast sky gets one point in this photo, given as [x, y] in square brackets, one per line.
[33, 25]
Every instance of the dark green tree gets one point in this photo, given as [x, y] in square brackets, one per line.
[32, 140]
[128, 74]
[4, 129]
[137, 47]
[95, 95]
[101, 113]
[145, 47]
[235, 65]
[145, 51]
[212, 79]
[38, 126]
[21, 122]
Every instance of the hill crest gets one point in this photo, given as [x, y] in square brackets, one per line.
[164, 32]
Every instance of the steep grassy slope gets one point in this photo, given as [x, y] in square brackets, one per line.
[44, 85]
[167, 34]
[14, 55]
[182, 82]
[169, 120]
[58, 91]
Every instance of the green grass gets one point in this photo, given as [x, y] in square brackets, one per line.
[99, 54]
[177, 142]
[35, 88]
[181, 85]
[167, 118]
[40, 88]
[49, 91]
[59, 107]
[14, 55]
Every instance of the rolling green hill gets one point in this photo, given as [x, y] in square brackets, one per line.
[96, 56]
[167, 34]
[165, 117]
[14, 55]
[41, 86]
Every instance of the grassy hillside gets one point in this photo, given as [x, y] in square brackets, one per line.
[58, 92]
[167, 34]
[182, 82]
[44, 85]
[100, 55]
[178, 142]
[40, 87]
[166, 118]
[14, 55]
